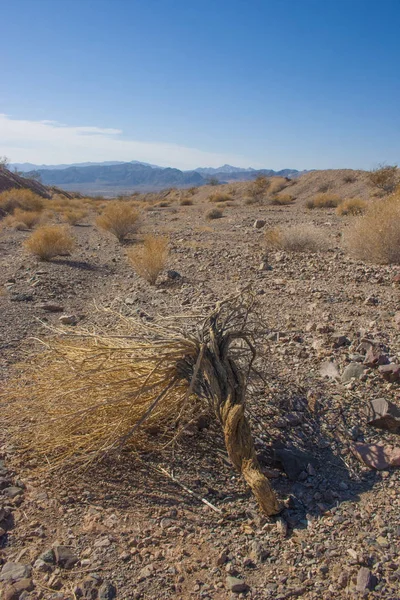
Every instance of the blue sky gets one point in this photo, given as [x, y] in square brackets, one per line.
[263, 83]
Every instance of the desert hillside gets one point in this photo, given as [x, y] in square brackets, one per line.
[118, 288]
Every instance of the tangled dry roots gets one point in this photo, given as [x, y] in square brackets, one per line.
[89, 394]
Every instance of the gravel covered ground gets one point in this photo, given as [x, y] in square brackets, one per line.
[123, 530]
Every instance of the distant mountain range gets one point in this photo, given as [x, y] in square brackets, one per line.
[135, 175]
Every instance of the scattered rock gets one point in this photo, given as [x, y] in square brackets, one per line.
[390, 372]
[65, 557]
[17, 589]
[107, 591]
[48, 307]
[329, 369]
[69, 320]
[376, 456]
[236, 585]
[294, 462]
[384, 414]
[365, 580]
[13, 571]
[374, 358]
[21, 297]
[259, 224]
[353, 370]
[338, 340]
[173, 275]
[12, 492]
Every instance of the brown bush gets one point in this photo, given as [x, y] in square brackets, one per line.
[150, 259]
[214, 213]
[325, 200]
[29, 218]
[186, 202]
[120, 219]
[73, 217]
[352, 206]
[20, 198]
[258, 189]
[349, 178]
[386, 178]
[49, 241]
[299, 238]
[282, 200]
[220, 197]
[191, 191]
[277, 184]
[375, 236]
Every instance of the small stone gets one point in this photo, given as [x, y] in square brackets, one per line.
[390, 372]
[48, 556]
[146, 572]
[236, 585]
[384, 414]
[64, 557]
[107, 591]
[338, 341]
[68, 320]
[12, 571]
[374, 358]
[365, 580]
[12, 492]
[48, 307]
[259, 224]
[173, 275]
[222, 559]
[353, 370]
[371, 301]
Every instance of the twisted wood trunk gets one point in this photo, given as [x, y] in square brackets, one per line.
[224, 383]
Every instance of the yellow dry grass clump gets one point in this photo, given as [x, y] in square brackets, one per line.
[150, 259]
[74, 217]
[282, 200]
[220, 197]
[299, 238]
[23, 199]
[324, 200]
[120, 219]
[375, 236]
[49, 241]
[352, 206]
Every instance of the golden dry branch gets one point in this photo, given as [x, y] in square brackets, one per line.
[89, 394]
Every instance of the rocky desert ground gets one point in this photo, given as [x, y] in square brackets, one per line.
[329, 350]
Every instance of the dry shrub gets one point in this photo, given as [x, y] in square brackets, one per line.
[385, 177]
[49, 241]
[277, 184]
[29, 218]
[139, 390]
[191, 191]
[120, 219]
[326, 187]
[350, 178]
[299, 238]
[249, 201]
[73, 217]
[325, 200]
[220, 197]
[150, 259]
[352, 206]
[214, 213]
[375, 236]
[282, 200]
[20, 198]
[186, 202]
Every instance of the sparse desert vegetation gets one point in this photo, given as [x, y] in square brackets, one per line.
[119, 218]
[324, 200]
[351, 206]
[385, 177]
[312, 296]
[150, 259]
[214, 213]
[23, 199]
[220, 197]
[375, 236]
[50, 241]
[298, 238]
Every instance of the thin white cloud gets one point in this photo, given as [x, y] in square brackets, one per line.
[50, 142]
